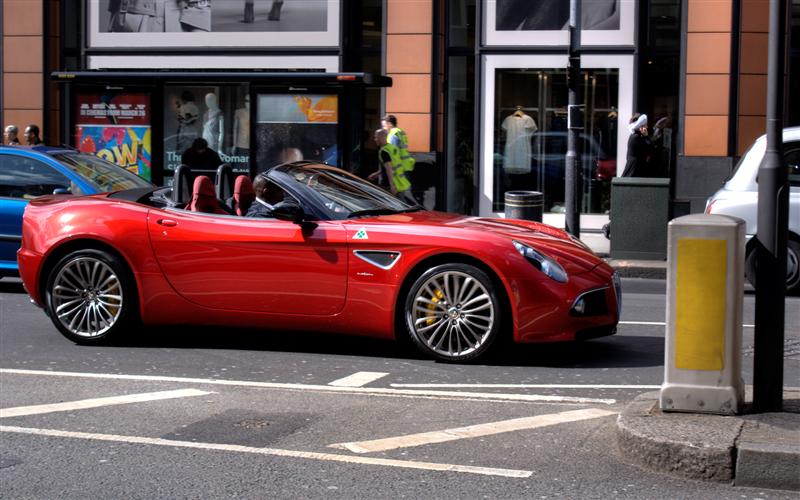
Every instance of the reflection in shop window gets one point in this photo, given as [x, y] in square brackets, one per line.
[294, 127]
[530, 142]
[218, 114]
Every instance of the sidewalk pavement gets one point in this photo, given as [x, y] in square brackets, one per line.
[627, 268]
[755, 450]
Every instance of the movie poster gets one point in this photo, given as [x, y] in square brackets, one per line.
[297, 127]
[116, 127]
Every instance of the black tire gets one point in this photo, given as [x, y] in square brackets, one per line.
[453, 332]
[792, 266]
[95, 294]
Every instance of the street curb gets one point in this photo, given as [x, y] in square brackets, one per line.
[639, 268]
[757, 450]
[647, 437]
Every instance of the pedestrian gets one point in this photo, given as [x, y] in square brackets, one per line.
[639, 148]
[395, 167]
[10, 135]
[200, 156]
[32, 135]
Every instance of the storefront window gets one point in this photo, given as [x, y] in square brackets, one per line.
[294, 127]
[218, 114]
[116, 127]
[530, 141]
[461, 24]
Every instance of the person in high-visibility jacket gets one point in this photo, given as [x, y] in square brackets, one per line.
[392, 168]
[402, 162]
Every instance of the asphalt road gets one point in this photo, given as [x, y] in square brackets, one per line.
[201, 412]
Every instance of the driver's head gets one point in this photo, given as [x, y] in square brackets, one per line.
[266, 190]
[200, 145]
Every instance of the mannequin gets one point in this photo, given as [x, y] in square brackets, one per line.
[241, 129]
[518, 128]
[213, 123]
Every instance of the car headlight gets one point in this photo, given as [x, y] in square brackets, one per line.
[543, 263]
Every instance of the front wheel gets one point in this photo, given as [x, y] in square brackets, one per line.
[453, 312]
[90, 296]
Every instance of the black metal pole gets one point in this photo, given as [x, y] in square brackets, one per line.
[773, 213]
[572, 171]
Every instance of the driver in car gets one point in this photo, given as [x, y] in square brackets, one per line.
[268, 196]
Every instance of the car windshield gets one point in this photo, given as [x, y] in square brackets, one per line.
[345, 195]
[102, 175]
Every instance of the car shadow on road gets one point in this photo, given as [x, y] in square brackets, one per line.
[613, 352]
[8, 285]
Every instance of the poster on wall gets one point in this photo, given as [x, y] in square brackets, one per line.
[546, 22]
[296, 127]
[205, 23]
[116, 127]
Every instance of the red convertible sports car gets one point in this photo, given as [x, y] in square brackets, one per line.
[337, 255]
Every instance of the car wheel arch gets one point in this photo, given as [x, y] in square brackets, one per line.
[57, 253]
[431, 261]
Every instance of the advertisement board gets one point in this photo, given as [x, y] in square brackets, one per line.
[296, 127]
[212, 23]
[116, 127]
[546, 22]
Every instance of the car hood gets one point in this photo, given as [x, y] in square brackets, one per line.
[546, 239]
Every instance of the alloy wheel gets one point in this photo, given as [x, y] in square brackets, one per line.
[453, 314]
[87, 297]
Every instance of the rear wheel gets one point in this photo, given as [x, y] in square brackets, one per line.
[453, 312]
[792, 266]
[90, 296]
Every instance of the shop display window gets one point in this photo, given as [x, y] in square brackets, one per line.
[219, 114]
[530, 138]
[294, 127]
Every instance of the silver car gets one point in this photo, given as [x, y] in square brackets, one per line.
[739, 198]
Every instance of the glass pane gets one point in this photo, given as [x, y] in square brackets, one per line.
[462, 23]
[530, 140]
[294, 127]
[460, 135]
[116, 127]
[27, 178]
[218, 114]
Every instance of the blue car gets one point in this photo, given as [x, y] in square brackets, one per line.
[28, 172]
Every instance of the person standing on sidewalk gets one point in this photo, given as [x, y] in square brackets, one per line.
[395, 168]
[32, 135]
[397, 137]
[10, 135]
[639, 148]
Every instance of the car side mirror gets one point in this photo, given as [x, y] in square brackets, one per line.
[62, 190]
[289, 211]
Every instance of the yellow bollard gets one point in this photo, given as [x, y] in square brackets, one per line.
[705, 289]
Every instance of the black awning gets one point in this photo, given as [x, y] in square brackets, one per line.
[131, 77]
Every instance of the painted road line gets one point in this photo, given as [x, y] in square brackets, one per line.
[407, 464]
[472, 431]
[365, 391]
[660, 323]
[358, 379]
[83, 404]
[526, 386]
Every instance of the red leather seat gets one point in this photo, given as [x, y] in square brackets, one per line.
[204, 198]
[243, 195]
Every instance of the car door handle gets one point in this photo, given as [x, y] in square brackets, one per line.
[167, 222]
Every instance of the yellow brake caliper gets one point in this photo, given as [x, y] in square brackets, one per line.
[438, 296]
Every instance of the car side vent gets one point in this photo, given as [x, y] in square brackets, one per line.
[383, 259]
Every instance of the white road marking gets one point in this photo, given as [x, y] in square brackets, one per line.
[471, 431]
[527, 386]
[661, 323]
[98, 402]
[366, 391]
[407, 464]
[358, 379]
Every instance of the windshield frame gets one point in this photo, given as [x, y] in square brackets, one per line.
[73, 161]
[372, 196]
